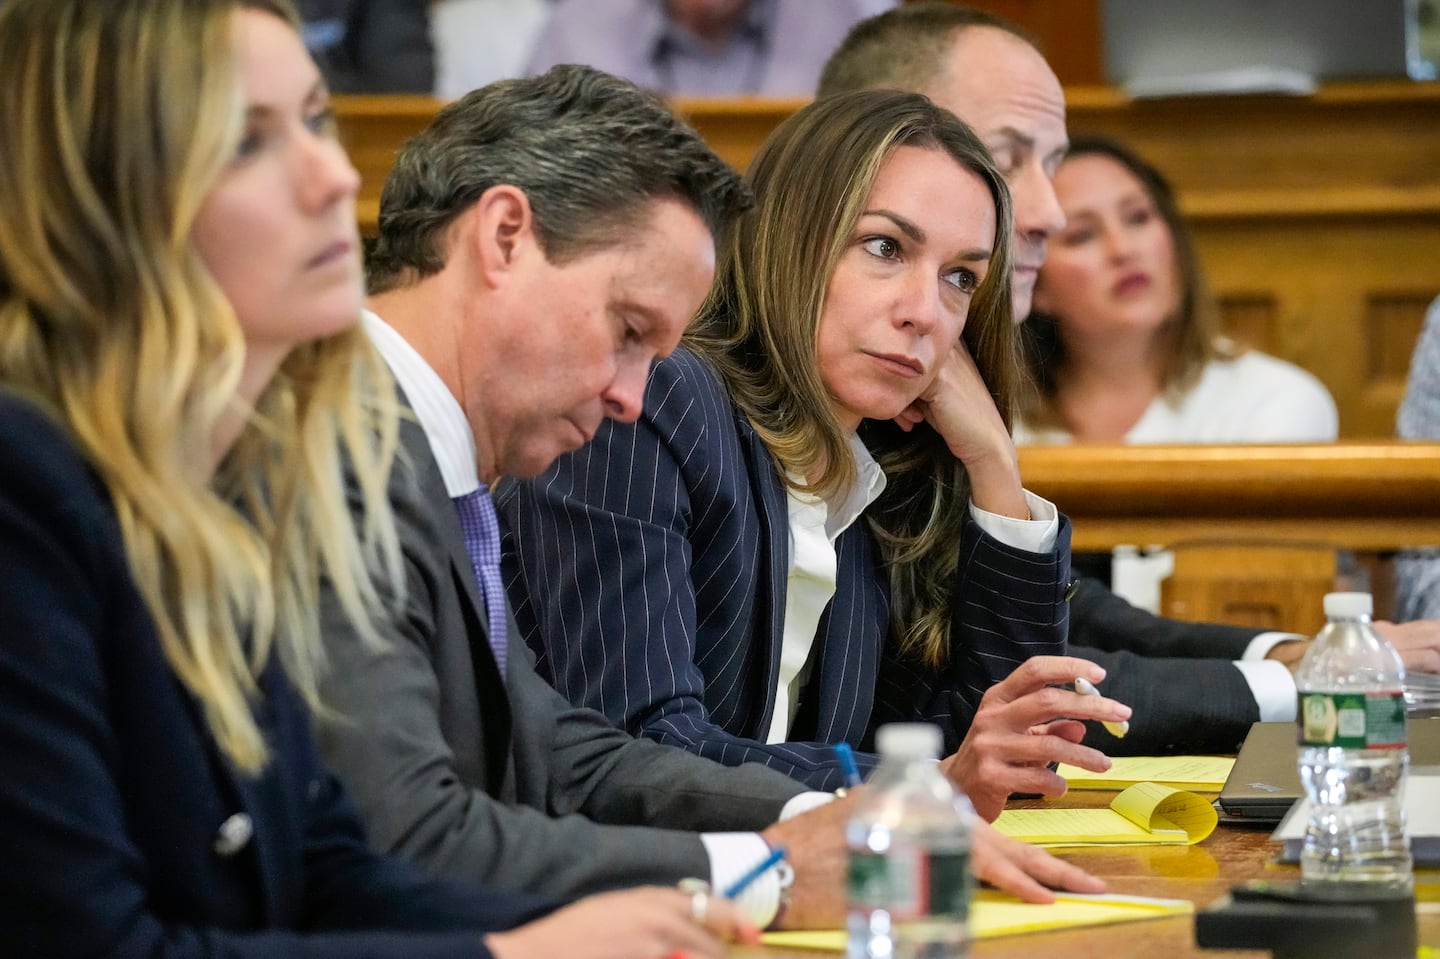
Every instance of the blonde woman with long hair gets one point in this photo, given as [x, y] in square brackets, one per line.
[181, 376]
[818, 524]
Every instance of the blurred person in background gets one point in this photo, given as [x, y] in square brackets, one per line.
[1123, 341]
[1417, 572]
[370, 46]
[481, 41]
[703, 47]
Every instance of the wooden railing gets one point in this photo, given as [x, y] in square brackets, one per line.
[1254, 529]
[1377, 496]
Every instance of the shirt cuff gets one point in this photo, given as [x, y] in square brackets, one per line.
[1261, 645]
[803, 803]
[732, 854]
[1273, 687]
[1036, 534]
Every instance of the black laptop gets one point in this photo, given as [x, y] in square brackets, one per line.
[1266, 782]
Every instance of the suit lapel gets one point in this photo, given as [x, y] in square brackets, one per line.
[852, 637]
[490, 691]
[775, 533]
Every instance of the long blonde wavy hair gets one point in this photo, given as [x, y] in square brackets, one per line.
[119, 116]
[812, 178]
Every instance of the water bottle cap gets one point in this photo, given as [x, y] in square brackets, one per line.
[909, 741]
[1348, 605]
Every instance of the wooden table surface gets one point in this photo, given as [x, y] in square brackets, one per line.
[1201, 873]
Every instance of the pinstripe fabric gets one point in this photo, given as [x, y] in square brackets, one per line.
[647, 570]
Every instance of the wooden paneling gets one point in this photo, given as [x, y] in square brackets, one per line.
[373, 129]
[1251, 318]
[1266, 586]
[1067, 30]
[735, 127]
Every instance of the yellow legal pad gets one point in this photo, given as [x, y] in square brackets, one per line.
[1144, 814]
[994, 914]
[1204, 773]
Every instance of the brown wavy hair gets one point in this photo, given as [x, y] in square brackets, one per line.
[811, 180]
[1190, 338]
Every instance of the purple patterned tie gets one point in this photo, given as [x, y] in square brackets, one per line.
[481, 529]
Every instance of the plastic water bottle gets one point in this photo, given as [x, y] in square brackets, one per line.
[909, 878]
[1353, 752]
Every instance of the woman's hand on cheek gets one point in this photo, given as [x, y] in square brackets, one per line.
[958, 406]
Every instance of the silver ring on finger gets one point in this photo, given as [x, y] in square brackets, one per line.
[699, 891]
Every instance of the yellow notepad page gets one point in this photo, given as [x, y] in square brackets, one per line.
[1203, 773]
[994, 914]
[1144, 814]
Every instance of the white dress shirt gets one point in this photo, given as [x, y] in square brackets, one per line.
[810, 582]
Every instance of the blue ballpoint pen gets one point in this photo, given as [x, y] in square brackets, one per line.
[846, 755]
[777, 856]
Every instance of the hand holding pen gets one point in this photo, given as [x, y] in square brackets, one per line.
[846, 756]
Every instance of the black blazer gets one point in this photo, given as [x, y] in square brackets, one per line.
[648, 570]
[124, 830]
[1179, 677]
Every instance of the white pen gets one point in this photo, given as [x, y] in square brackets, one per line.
[1084, 687]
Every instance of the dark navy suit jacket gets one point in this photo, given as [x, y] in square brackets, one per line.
[648, 570]
[1178, 677]
[113, 794]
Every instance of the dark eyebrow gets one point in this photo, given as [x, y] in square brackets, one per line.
[907, 227]
[918, 235]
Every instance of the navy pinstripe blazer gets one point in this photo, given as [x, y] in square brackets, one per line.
[648, 571]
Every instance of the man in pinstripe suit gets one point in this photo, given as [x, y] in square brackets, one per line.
[519, 304]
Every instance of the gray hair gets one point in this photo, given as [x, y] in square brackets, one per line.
[590, 151]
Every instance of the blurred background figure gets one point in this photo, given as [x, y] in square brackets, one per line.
[370, 46]
[703, 47]
[1417, 572]
[481, 41]
[1123, 342]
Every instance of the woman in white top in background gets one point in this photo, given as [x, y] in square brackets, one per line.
[1123, 344]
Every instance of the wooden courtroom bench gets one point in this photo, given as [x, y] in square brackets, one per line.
[1255, 528]
[1317, 217]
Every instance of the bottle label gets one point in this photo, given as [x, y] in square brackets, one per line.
[910, 883]
[1373, 720]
